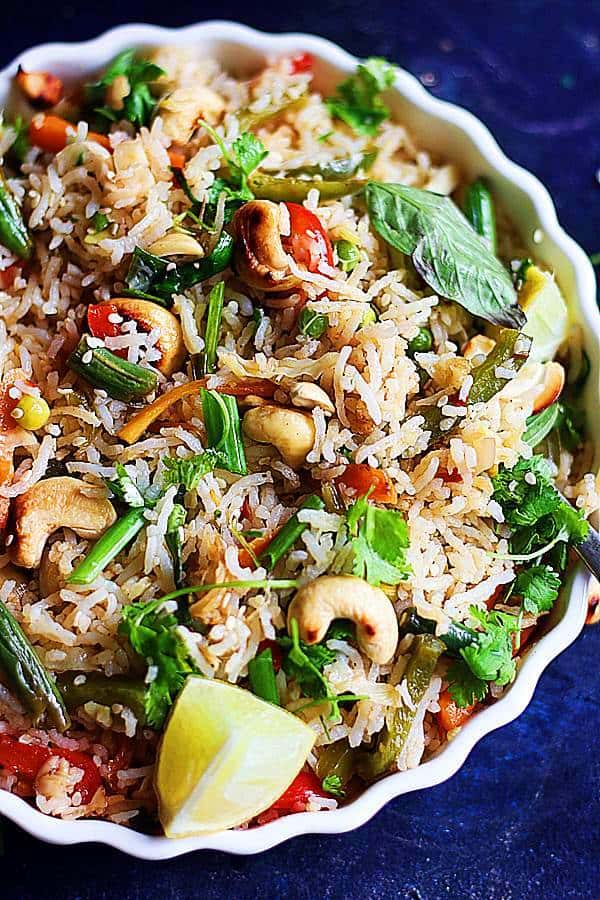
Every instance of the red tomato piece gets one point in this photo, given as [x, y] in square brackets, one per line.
[98, 316]
[23, 759]
[308, 241]
[7, 276]
[450, 715]
[90, 780]
[453, 477]
[276, 652]
[298, 793]
[360, 478]
[302, 62]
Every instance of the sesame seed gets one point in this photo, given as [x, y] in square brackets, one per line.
[530, 478]
[87, 357]
[8, 540]
[115, 318]
[17, 413]
[95, 342]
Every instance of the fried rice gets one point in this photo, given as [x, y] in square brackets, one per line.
[458, 555]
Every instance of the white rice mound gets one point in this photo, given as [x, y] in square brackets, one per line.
[366, 370]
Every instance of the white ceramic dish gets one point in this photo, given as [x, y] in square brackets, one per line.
[457, 135]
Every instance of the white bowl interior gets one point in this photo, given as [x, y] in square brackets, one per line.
[458, 136]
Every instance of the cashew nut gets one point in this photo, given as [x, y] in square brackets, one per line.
[291, 432]
[182, 110]
[56, 503]
[177, 243]
[478, 345]
[260, 258]
[309, 395]
[331, 597]
[554, 382]
[150, 315]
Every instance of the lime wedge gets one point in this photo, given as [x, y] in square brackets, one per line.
[225, 757]
[547, 316]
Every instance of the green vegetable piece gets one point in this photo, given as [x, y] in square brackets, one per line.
[295, 190]
[357, 100]
[421, 343]
[369, 317]
[311, 323]
[249, 119]
[348, 255]
[332, 784]
[479, 210]
[26, 676]
[539, 587]
[223, 429]
[262, 677]
[213, 326]
[541, 424]
[20, 146]
[337, 169]
[454, 261]
[189, 472]
[108, 547]
[138, 104]
[153, 635]
[337, 760]
[101, 689]
[455, 638]
[13, 231]
[285, 539]
[392, 741]
[149, 278]
[174, 542]
[510, 351]
[102, 369]
[379, 540]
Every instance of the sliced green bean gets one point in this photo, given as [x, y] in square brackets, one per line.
[285, 539]
[108, 546]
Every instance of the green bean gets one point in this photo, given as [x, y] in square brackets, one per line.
[262, 677]
[455, 638]
[13, 231]
[295, 190]
[77, 689]
[26, 675]
[338, 759]
[120, 379]
[285, 539]
[479, 210]
[392, 741]
[108, 546]
[249, 119]
[337, 169]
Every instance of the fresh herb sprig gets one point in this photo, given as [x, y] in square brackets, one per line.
[138, 104]
[357, 100]
[379, 539]
[445, 250]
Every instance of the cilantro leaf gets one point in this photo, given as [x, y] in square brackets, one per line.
[245, 155]
[379, 539]
[357, 102]
[189, 472]
[332, 784]
[539, 587]
[465, 688]
[139, 103]
[533, 508]
[489, 659]
[152, 634]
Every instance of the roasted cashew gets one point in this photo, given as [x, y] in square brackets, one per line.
[309, 395]
[260, 258]
[182, 110]
[551, 389]
[56, 503]
[331, 597]
[177, 243]
[290, 431]
[478, 345]
[150, 315]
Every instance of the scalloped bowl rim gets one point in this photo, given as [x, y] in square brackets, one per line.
[516, 699]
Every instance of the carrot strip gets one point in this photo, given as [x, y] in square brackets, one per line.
[51, 134]
[133, 430]
[177, 158]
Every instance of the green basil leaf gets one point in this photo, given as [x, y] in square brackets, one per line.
[446, 252]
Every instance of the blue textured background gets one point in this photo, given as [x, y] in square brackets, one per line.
[522, 817]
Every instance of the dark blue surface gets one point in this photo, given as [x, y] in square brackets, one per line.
[522, 817]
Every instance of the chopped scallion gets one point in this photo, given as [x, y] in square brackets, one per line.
[285, 539]
[261, 674]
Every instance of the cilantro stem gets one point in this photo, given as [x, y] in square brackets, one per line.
[276, 584]
[562, 535]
